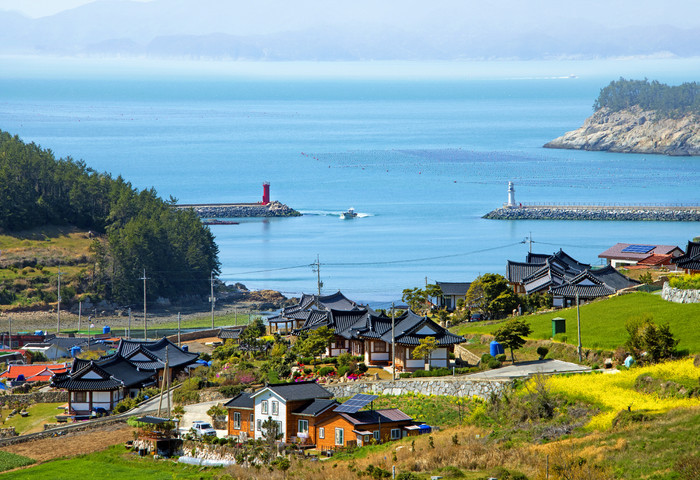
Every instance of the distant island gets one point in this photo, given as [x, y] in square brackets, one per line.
[639, 116]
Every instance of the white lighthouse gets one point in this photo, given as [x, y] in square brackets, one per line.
[511, 195]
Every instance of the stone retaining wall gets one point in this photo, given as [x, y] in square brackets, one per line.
[663, 214]
[678, 295]
[35, 397]
[186, 337]
[458, 386]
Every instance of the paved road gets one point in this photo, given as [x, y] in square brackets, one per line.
[526, 369]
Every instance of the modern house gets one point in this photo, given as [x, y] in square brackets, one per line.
[452, 292]
[34, 372]
[362, 428]
[296, 407]
[690, 260]
[361, 331]
[563, 276]
[135, 365]
[627, 254]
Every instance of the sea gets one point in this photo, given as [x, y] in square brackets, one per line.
[421, 150]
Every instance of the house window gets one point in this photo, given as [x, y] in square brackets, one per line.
[303, 426]
[251, 423]
[263, 406]
[275, 407]
[339, 436]
[259, 425]
[80, 396]
[279, 427]
[395, 433]
[322, 432]
[379, 347]
[236, 421]
[375, 434]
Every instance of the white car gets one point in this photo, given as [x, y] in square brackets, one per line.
[201, 429]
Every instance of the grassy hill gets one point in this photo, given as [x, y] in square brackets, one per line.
[603, 321]
[29, 262]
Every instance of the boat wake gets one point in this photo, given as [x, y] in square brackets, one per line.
[332, 213]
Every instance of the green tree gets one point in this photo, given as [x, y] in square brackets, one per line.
[414, 298]
[511, 334]
[648, 341]
[424, 349]
[272, 433]
[490, 294]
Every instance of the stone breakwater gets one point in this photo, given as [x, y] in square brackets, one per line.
[451, 386]
[242, 210]
[634, 131]
[655, 214]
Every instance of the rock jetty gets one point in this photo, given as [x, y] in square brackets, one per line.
[242, 210]
[616, 213]
[634, 131]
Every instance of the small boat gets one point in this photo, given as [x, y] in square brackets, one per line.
[350, 214]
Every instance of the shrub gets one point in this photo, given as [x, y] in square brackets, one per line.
[323, 371]
[485, 358]
[493, 363]
[542, 351]
[501, 357]
[362, 368]
[686, 282]
[405, 375]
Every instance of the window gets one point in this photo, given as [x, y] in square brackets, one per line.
[236, 421]
[275, 407]
[379, 347]
[322, 432]
[251, 424]
[259, 425]
[80, 396]
[395, 433]
[263, 406]
[279, 427]
[303, 426]
[375, 434]
[339, 436]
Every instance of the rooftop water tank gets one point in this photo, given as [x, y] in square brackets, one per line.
[105, 329]
[496, 348]
[74, 351]
[185, 348]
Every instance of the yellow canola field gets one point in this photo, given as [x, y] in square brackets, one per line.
[615, 392]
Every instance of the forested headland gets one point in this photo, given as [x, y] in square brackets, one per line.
[665, 100]
[134, 230]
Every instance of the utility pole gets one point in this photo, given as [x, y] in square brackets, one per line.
[145, 328]
[178, 329]
[58, 325]
[578, 321]
[530, 241]
[393, 347]
[89, 326]
[9, 334]
[212, 299]
[128, 331]
[318, 275]
[80, 315]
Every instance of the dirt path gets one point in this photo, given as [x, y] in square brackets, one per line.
[73, 444]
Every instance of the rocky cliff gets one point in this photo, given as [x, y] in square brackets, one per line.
[634, 131]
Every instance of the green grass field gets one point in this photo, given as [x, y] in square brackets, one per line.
[114, 463]
[8, 461]
[603, 322]
[39, 414]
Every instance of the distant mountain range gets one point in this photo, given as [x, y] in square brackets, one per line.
[274, 30]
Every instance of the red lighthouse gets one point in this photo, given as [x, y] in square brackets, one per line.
[266, 193]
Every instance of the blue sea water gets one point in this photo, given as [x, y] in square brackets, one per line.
[422, 154]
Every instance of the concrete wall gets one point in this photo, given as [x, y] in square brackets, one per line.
[677, 295]
[457, 386]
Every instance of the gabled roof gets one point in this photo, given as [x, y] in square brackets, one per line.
[69, 342]
[315, 407]
[517, 271]
[296, 391]
[410, 329]
[230, 333]
[153, 354]
[538, 258]
[369, 417]
[30, 371]
[454, 288]
[242, 400]
[337, 301]
[109, 373]
[612, 278]
[584, 291]
[616, 251]
[691, 258]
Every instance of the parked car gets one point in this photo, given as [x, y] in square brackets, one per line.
[99, 412]
[477, 317]
[201, 429]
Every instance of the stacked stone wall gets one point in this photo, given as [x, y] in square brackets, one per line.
[677, 295]
[35, 397]
[244, 210]
[660, 214]
[450, 386]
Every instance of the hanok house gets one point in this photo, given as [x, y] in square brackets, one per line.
[627, 254]
[296, 407]
[102, 383]
[362, 428]
[452, 292]
[233, 334]
[153, 355]
[690, 260]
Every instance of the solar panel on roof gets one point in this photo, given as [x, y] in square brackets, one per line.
[638, 248]
[356, 403]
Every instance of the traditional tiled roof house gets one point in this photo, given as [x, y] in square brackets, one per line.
[690, 260]
[452, 292]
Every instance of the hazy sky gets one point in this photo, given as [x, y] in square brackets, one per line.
[680, 13]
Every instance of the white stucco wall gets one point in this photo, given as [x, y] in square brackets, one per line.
[281, 415]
